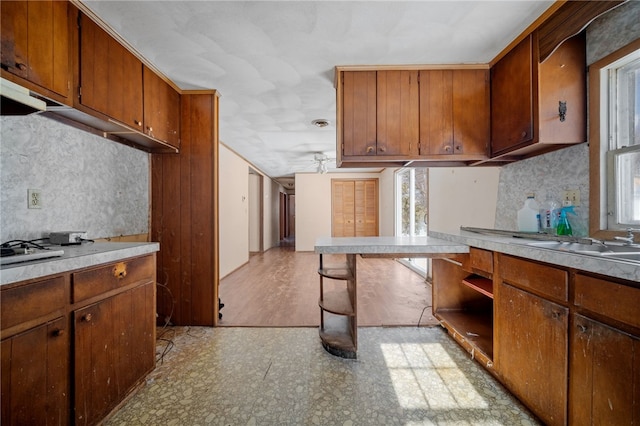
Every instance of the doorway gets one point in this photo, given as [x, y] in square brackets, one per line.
[411, 210]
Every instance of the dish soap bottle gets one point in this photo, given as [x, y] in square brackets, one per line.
[564, 227]
[549, 215]
[528, 216]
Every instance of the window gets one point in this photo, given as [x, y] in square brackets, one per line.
[614, 91]
[411, 209]
[623, 133]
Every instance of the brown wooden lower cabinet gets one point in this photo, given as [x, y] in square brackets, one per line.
[565, 342]
[113, 350]
[98, 349]
[531, 354]
[604, 377]
[35, 376]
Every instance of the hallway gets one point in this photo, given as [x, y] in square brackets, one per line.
[280, 288]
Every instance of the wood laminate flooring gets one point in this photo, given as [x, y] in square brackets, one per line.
[281, 287]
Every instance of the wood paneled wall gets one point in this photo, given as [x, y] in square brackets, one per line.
[184, 216]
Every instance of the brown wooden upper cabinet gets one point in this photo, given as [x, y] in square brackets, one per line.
[379, 114]
[110, 76]
[394, 116]
[115, 84]
[161, 109]
[454, 113]
[35, 46]
[538, 107]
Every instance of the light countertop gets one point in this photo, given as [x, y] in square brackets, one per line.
[440, 243]
[74, 257]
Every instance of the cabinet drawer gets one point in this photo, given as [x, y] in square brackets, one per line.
[29, 302]
[535, 277]
[96, 281]
[481, 261]
[611, 299]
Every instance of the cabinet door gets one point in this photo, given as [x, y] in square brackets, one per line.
[436, 112]
[161, 109]
[398, 118]
[471, 110]
[531, 351]
[35, 43]
[604, 382]
[110, 76]
[35, 376]
[359, 113]
[512, 102]
[454, 112]
[114, 349]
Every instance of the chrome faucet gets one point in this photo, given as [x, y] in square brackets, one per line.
[628, 240]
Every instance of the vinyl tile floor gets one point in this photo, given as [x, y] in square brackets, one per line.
[283, 376]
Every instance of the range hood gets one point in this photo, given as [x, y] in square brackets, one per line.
[17, 100]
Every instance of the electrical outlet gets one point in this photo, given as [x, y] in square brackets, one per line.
[571, 197]
[34, 199]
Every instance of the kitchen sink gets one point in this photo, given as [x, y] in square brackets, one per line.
[614, 251]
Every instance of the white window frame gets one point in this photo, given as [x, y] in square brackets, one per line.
[614, 149]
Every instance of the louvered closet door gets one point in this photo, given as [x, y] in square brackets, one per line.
[354, 207]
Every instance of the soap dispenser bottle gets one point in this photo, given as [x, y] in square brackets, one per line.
[528, 216]
[564, 227]
[549, 213]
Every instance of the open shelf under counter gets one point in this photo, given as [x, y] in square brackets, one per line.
[338, 335]
[336, 272]
[337, 302]
[473, 330]
[480, 284]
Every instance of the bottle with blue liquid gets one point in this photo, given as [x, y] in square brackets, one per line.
[564, 227]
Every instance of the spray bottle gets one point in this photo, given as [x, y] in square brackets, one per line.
[564, 227]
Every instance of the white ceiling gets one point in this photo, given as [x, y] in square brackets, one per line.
[273, 62]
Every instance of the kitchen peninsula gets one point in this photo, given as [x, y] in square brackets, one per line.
[560, 329]
[338, 305]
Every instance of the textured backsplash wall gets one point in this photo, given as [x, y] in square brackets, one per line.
[552, 173]
[87, 183]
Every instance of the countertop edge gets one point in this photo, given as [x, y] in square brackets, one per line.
[387, 245]
[518, 247]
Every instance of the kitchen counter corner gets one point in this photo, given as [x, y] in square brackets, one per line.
[75, 257]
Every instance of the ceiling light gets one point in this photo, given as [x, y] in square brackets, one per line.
[320, 122]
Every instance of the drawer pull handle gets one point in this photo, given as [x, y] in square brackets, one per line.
[137, 123]
[21, 66]
[87, 318]
[370, 149]
[59, 332]
[120, 270]
[582, 328]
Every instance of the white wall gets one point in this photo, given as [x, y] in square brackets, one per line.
[234, 213]
[237, 198]
[462, 197]
[313, 205]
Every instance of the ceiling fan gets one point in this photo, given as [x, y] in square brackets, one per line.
[322, 160]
